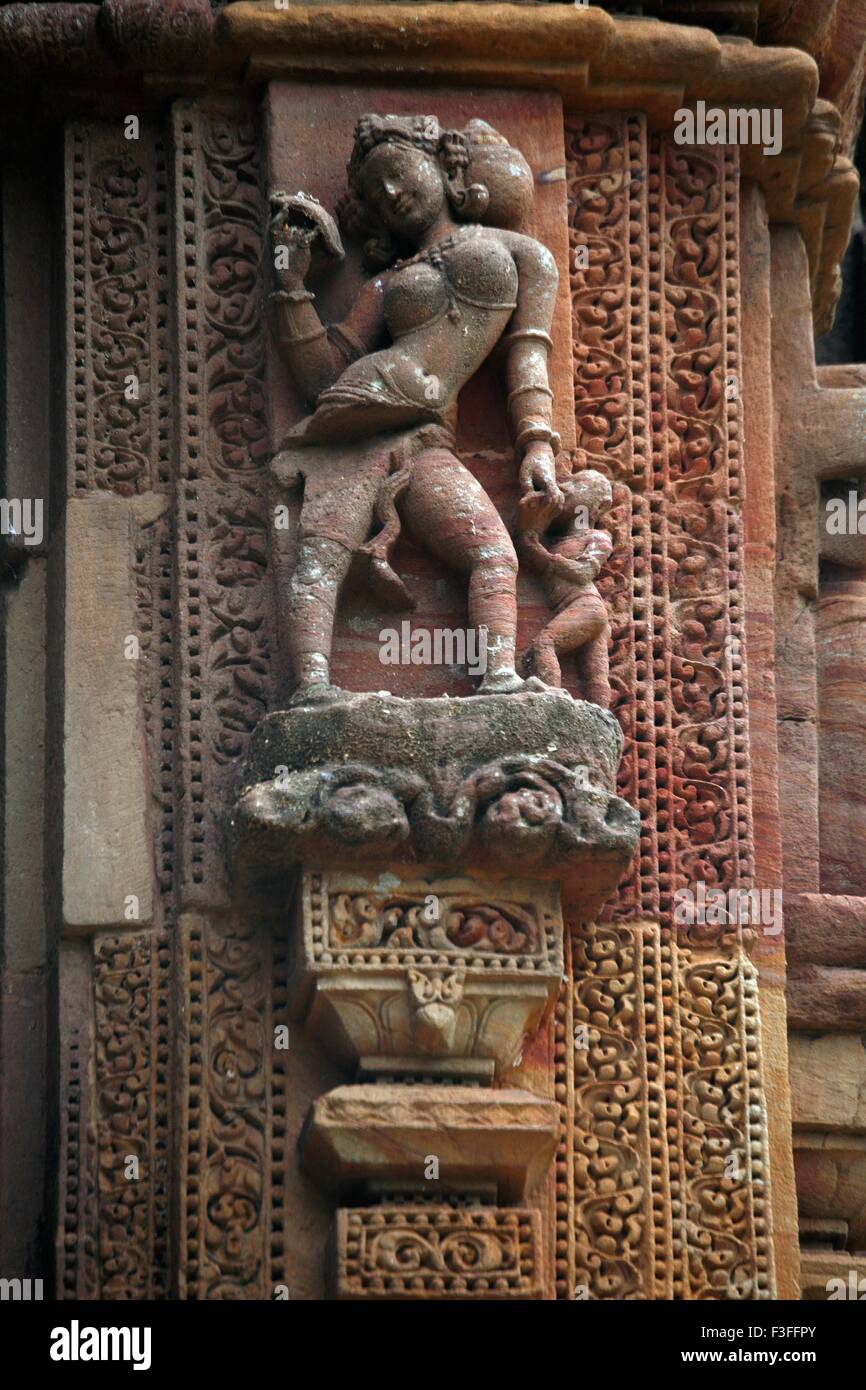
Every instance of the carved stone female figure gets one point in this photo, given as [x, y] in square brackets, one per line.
[379, 445]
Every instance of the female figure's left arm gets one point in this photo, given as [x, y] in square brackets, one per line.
[528, 344]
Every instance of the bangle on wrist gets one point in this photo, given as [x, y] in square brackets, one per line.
[293, 339]
[531, 430]
[346, 342]
[531, 335]
[291, 296]
[532, 387]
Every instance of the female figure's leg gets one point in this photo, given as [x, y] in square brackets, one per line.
[321, 567]
[448, 512]
[340, 489]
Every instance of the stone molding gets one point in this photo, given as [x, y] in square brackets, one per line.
[66, 59]
[382, 1135]
[598, 63]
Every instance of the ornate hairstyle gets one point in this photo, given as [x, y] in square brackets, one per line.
[502, 197]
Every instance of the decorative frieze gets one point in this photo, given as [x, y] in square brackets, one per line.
[665, 1153]
[662, 221]
[233, 1110]
[118, 411]
[115, 1184]
[223, 615]
[436, 1252]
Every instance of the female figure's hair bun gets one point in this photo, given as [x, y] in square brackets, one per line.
[504, 172]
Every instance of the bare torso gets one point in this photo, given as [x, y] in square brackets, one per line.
[444, 311]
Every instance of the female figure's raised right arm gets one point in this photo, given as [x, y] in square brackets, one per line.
[314, 354]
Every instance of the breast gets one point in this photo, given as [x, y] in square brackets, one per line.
[413, 295]
[481, 271]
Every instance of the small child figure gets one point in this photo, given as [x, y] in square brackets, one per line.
[566, 552]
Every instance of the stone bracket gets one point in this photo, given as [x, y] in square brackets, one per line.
[363, 1135]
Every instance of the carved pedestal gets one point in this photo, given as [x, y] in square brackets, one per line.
[425, 848]
[399, 974]
[501, 784]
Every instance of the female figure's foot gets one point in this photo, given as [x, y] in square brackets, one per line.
[315, 693]
[507, 682]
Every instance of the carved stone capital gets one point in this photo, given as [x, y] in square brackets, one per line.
[415, 970]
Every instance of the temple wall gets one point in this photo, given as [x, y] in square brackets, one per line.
[197, 1078]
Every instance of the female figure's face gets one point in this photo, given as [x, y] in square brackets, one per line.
[404, 190]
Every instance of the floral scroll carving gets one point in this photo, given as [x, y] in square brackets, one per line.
[231, 211]
[660, 222]
[660, 225]
[130, 988]
[119, 399]
[439, 1252]
[358, 920]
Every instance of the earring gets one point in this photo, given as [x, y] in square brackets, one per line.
[470, 203]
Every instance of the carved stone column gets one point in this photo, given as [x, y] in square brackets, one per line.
[820, 417]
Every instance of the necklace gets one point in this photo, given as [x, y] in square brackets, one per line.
[433, 253]
[435, 256]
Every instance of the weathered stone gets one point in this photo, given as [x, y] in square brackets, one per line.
[827, 997]
[421, 970]
[826, 929]
[429, 1138]
[504, 784]
[828, 1081]
[107, 865]
[840, 638]
[831, 1184]
[827, 1274]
